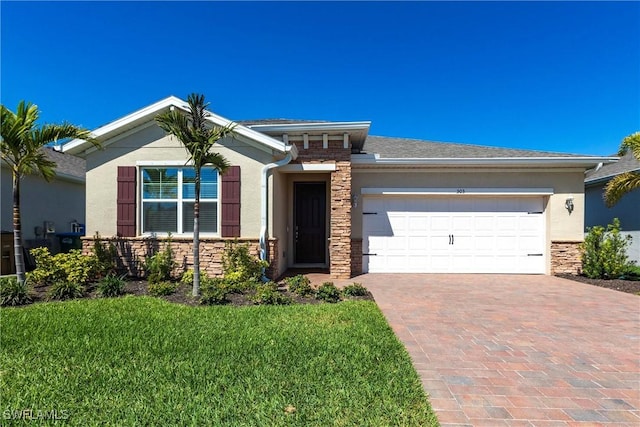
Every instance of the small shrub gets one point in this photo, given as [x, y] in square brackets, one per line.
[160, 265]
[632, 273]
[65, 290]
[187, 277]
[213, 292]
[64, 267]
[238, 265]
[161, 289]
[299, 285]
[111, 286]
[354, 290]
[237, 287]
[604, 252]
[47, 271]
[13, 293]
[328, 292]
[268, 294]
[106, 255]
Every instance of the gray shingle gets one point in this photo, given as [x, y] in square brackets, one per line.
[67, 164]
[389, 147]
[627, 163]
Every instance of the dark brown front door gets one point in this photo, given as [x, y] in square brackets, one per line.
[310, 222]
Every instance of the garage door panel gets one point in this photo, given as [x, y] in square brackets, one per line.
[439, 234]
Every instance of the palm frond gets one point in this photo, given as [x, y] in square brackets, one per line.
[49, 133]
[631, 142]
[619, 186]
[216, 160]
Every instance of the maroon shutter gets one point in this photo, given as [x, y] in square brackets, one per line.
[126, 218]
[230, 224]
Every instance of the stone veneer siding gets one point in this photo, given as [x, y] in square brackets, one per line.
[132, 252]
[566, 257]
[356, 257]
[340, 201]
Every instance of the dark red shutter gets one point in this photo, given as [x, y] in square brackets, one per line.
[230, 224]
[126, 218]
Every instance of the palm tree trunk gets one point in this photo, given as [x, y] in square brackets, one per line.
[196, 237]
[17, 230]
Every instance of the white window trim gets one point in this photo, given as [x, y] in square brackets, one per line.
[178, 164]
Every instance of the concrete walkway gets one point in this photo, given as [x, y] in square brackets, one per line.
[501, 350]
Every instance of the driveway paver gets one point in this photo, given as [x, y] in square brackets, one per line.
[507, 350]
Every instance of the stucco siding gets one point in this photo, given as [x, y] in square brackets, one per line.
[626, 210]
[151, 144]
[59, 201]
[561, 225]
[279, 217]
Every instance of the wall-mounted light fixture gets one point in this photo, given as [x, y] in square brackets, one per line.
[354, 200]
[569, 204]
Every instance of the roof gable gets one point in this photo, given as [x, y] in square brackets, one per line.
[138, 118]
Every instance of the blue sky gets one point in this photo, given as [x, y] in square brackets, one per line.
[542, 75]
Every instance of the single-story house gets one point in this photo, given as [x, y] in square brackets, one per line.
[626, 210]
[327, 194]
[46, 208]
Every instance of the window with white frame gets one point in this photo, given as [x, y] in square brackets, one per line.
[168, 196]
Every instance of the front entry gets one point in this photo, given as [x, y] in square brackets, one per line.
[310, 238]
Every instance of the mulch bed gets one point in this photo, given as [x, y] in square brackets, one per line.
[183, 294]
[628, 286]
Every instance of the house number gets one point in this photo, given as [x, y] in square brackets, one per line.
[460, 191]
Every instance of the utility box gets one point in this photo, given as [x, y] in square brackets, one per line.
[70, 241]
[7, 262]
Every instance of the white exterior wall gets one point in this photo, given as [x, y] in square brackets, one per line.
[151, 144]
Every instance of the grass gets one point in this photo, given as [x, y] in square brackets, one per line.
[143, 361]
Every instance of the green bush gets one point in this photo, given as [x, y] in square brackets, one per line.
[604, 252]
[106, 255]
[163, 288]
[354, 290]
[63, 267]
[160, 265]
[238, 265]
[328, 292]
[111, 286]
[299, 285]
[187, 277]
[213, 292]
[268, 294]
[632, 273]
[47, 271]
[13, 293]
[65, 290]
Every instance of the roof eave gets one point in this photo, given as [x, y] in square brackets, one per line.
[103, 133]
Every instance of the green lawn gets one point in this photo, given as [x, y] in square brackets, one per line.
[143, 361]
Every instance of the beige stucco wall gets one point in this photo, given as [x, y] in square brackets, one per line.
[60, 201]
[151, 144]
[564, 182]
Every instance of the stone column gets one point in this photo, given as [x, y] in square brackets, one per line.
[340, 244]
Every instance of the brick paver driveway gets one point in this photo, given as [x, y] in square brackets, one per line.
[503, 350]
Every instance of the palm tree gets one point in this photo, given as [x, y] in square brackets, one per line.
[198, 137]
[628, 181]
[22, 141]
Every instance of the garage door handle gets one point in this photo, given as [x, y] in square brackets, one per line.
[369, 254]
[534, 254]
[451, 239]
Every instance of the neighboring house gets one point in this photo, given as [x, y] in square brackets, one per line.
[627, 210]
[326, 194]
[46, 208]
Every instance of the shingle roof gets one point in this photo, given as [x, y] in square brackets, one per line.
[627, 163]
[67, 164]
[390, 147]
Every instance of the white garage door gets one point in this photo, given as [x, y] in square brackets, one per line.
[453, 234]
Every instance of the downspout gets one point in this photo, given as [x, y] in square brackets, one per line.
[265, 207]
